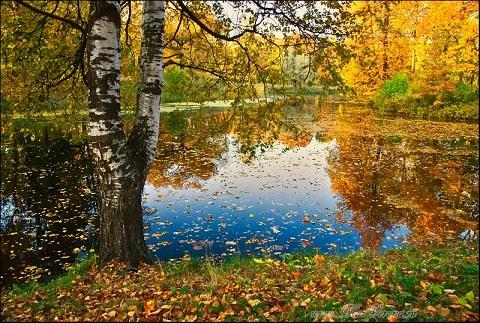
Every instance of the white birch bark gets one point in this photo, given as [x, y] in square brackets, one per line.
[122, 164]
[147, 120]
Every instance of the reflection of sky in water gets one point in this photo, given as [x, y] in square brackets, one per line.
[389, 181]
[282, 199]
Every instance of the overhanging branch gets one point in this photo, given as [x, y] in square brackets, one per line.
[52, 15]
[215, 34]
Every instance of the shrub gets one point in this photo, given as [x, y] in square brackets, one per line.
[465, 93]
[391, 92]
[175, 85]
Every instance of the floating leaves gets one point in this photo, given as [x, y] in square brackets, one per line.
[370, 182]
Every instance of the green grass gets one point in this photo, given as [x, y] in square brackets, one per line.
[23, 292]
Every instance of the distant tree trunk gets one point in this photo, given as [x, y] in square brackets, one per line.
[122, 162]
[386, 24]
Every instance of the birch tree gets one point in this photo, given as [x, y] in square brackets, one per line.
[122, 160]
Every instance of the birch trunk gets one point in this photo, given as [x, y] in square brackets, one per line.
[122, 163]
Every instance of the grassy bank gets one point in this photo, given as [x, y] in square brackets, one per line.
[402, 95]
[465, 112]
[406, 284]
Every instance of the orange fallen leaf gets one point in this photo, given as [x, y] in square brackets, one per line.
[319, 259]
[431, 308]
[444, 311]
[306, 243]
[324, 282]
[229, 311]
[296, 274]
[149, 306]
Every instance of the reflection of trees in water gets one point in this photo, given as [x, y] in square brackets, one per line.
[47, 199]
[191, 147]
[385, 182]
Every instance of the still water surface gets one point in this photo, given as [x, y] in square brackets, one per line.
[248, 180]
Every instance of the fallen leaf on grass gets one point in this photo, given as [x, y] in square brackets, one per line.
[149, 306]
[253, 302]
[319, 259]
[296, 274]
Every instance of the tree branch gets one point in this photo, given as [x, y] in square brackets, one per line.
[192, 16]
[196, 67]
[51, 15]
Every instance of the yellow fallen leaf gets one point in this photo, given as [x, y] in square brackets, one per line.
[424, 284]
[149, 306]
[253, 302]
[229, 311]
[189, 318]
[305, 302]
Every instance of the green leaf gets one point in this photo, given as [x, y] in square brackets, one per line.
[470, 296]
[437, 289]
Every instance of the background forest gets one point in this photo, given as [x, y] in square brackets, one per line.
[413, 57]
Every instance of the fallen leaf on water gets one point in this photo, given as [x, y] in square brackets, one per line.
[306, 243]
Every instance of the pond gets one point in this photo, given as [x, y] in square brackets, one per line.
[253, 180]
